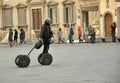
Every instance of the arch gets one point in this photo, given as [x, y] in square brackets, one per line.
[108, 22]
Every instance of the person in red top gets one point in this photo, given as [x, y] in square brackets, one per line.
[80, 33]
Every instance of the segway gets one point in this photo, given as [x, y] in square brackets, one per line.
[24, 60]
[45, 59]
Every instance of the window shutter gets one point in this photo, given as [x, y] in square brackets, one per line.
[8, 17]
[64, 15]
[50, 13]
[70, 14]
[73, 14]
[57, 16]
[21, 17]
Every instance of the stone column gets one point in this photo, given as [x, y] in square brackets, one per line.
[1, 24]
[29, 20]
[118, 18]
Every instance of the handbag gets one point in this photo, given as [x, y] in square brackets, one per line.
[39, 44]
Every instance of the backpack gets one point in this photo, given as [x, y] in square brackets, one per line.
[71, 31]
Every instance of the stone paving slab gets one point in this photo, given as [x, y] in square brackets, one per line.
[72, 63]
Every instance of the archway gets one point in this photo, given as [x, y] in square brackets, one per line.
[108, 22]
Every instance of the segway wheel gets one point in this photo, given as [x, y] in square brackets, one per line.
[45, 59]
[39, 58]
[17, 60]
[22, 61]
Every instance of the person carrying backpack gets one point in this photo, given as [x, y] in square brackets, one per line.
[71, 33]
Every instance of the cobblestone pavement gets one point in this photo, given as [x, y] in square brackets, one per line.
[72, 63]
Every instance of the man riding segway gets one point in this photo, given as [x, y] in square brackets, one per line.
[44, 58]
[46, 34]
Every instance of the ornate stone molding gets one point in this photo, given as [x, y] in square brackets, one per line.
[52, 3]
[28, 1]
[90, 8]
[7, 6]
[36, 3]
[21, 5]
[65, 2]
[32, 2]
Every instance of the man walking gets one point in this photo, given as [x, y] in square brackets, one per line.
[10, 37]
[113, 28]
[71, 33]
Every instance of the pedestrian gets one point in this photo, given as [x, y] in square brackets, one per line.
[15, 37]
[46, 34]
[80, 34]
[113, 28]
[60, 36]
[22, 36]
[89, 33]
[92, 36]
[71, 33]
[10, 37]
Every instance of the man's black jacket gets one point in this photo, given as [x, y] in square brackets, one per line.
[46, 32]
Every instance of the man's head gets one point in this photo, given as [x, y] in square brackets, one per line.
[48, 20]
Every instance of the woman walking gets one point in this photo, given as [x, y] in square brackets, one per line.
[80, 34]
[60, 36]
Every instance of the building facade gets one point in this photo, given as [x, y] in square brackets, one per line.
[108, 15]
[30, 15]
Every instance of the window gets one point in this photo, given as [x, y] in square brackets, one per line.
[8, 20]
[53, 14]
[21, 11]
[37, 18]
[21, 17]
[69, 14]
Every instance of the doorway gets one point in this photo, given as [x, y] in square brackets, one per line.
[108, 22]
[37, 21]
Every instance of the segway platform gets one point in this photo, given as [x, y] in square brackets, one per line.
[24, 60]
